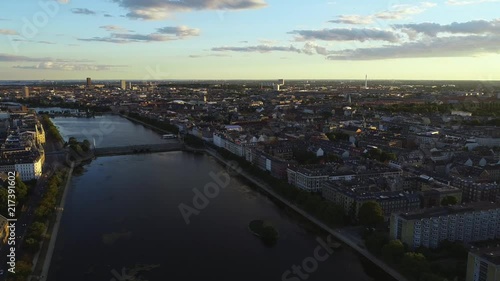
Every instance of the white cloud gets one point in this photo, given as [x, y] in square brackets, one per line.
[404, 10]
[257, 49]
[168, 33]
[179, 31]
[161, 9]
[8, 32]
[49, 65]
[396, 12]
[114, 28]
[353, 19]
[469, 2]
[346, 34]
[311, 48]
[470, 27]
[455, 46]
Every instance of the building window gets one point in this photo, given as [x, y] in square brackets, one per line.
[483, 271]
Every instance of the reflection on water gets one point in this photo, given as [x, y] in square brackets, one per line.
[107, 131]
[123, 213]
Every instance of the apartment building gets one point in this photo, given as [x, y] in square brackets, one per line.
[308, 178]
[483, 264]
[352, 197]
[28, 165]
[471, 222]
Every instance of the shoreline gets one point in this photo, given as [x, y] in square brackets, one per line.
[149, 126]
[44, 256]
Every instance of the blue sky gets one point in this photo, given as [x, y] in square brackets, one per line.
[249, 39]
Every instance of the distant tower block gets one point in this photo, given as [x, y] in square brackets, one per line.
[366, 82]
[123, 84]
[26, 91]
[205, 98]
[89, 82]
[281, 82]
[130, 85]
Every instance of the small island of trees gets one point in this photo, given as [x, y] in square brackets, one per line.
[265, 231]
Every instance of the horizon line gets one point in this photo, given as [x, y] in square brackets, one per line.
[253, 79]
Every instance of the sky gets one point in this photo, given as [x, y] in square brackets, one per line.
[249, 39]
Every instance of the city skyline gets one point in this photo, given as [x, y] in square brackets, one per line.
[249, 39]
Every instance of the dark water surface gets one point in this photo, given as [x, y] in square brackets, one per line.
[107, 131]
[123, 212]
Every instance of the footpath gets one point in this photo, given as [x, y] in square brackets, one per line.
[42, 265]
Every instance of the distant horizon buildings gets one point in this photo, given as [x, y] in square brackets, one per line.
[89, 85]
[281, 82]
[26, 91]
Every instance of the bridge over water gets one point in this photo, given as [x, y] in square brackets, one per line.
[134, 149]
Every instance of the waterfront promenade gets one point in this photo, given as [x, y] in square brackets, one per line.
[55, 229]
[337, 233]
[154, 128]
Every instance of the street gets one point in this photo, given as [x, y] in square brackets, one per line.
[26, 218]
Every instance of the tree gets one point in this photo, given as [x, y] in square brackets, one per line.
[72, 141]
[432, 277]
[414, 265]
[393, 251]
[331, 136]
[302, 196]
[370, 214]
[375, 241]
[449, 200]
[333, 214]
[42, 212]
[269, 235]
[3, 201]
[312, 204]
[23, 270]
[374, 153]
[386, 156]
[36, 230]
[21, 188]
[32, 244]
[85, 145]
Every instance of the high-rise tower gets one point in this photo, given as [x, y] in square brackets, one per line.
[26, 91]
